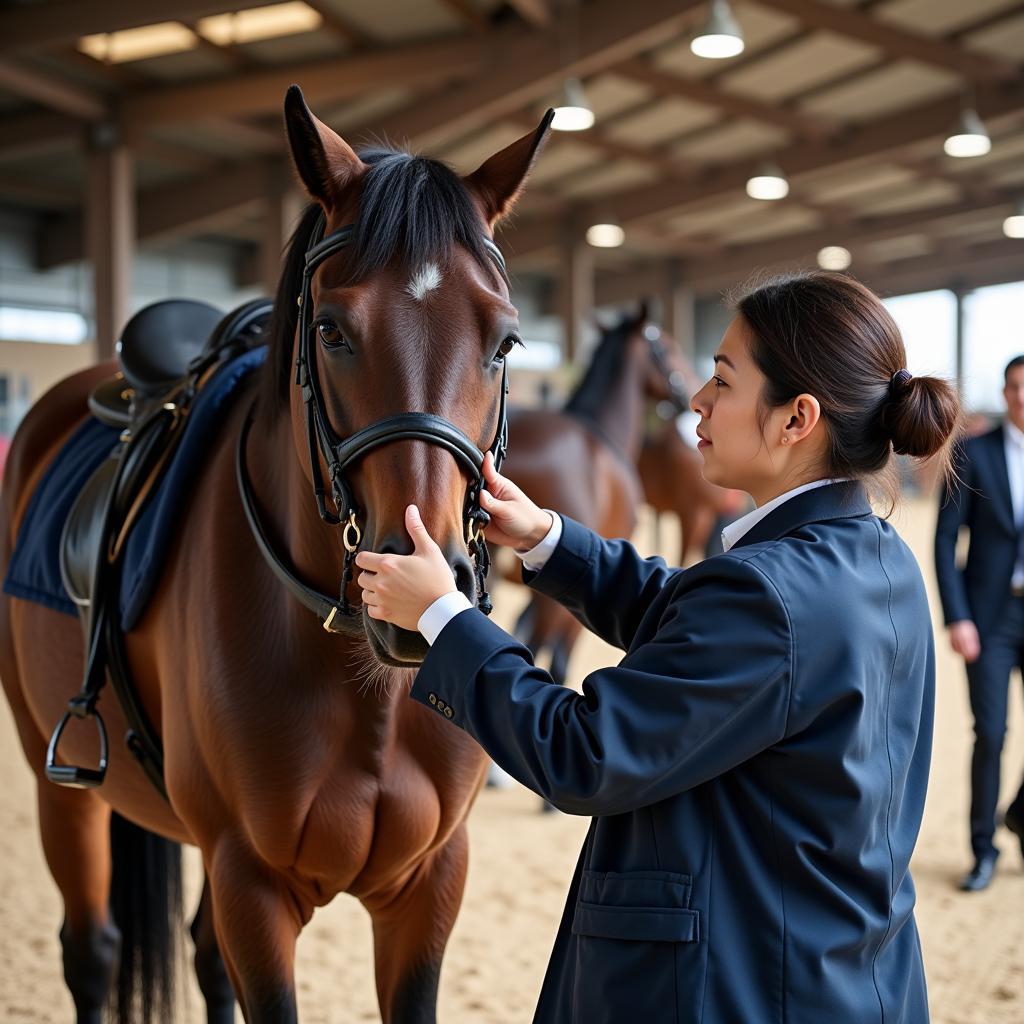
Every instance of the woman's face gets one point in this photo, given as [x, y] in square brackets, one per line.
[742, 448]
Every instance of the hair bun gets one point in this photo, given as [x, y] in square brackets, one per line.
[920, 414]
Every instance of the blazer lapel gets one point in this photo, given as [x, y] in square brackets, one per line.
[1001, 476]
[844, 500]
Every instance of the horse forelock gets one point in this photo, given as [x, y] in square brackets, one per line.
[412, 210]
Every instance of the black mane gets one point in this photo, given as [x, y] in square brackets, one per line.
[412, 209]
[605, 367]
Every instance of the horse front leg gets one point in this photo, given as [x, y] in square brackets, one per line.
[257, 921]
[410, 932]
[211, 971]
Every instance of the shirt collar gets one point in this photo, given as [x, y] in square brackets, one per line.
[1013, 433]
[737, 529]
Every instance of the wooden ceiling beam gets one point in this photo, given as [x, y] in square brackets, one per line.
[739, 260]
[51, 92]
[894, 40]
[342, 28]
[29, 134]
[467, 13]
[63, 21]
[323, 82]
[180, 209]
[534, 12]
[876, 139]
[522, 67]
[667, 84]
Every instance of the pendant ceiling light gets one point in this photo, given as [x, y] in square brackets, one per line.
[1013, 226]
[969, 137]
[607, 235]
[721, 35]
[768, 183]
[573, 114]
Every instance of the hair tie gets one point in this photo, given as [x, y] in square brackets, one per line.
[899, 380]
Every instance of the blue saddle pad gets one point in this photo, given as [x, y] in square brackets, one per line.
[34, 570]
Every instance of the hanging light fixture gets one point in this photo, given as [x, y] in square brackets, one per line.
[574, 113]
[721, 35]
[834, 257]
[607, 235]
[1013, 226]
[969, 136]
[768, 183]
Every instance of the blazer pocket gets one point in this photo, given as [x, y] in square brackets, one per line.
[631, 928]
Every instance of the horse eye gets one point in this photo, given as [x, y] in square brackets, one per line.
[330, 334]
[506, 346]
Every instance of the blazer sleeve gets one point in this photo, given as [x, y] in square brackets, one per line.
[955, 506]
[606, 584]
[710, 690]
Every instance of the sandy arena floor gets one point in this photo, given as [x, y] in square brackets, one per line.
[520, 868]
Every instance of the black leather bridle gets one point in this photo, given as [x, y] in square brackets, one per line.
[339, 454]
[674, 379]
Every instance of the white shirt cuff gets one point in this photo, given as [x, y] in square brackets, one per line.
[536, 558]
[440, 613]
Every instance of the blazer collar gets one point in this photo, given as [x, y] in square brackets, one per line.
[844, 500]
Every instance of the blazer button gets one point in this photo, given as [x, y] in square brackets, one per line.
[432, 698]
[440, 705]
[448, 712]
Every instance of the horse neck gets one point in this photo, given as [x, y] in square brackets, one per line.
[616, 402]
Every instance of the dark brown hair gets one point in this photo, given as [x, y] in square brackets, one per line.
[827, 335]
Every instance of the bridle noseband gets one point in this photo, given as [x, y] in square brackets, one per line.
[339, 454]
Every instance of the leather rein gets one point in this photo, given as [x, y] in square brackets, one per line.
[338, 615]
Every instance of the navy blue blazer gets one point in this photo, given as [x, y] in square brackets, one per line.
[980, 501]
[755, 766]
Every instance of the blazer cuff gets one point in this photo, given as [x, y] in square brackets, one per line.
[568, 563]
[455, 657]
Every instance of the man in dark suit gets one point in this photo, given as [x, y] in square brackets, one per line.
[983, 604]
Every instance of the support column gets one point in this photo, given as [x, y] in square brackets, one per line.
[282, 210]
[678, 311]
[110, 233]
[576, 292]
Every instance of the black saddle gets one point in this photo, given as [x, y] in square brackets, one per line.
[163, 369]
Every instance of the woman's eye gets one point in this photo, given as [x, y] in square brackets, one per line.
[506, 346]
[719, 383]
[330, 334]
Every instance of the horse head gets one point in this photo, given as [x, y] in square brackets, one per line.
[403, 323]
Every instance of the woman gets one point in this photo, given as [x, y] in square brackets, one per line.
[756, 764]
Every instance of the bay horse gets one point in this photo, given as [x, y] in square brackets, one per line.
[581, 459]
[293, 759]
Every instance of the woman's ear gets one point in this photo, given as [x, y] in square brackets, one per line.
[804, 414]
[499, 180]
[326, 163]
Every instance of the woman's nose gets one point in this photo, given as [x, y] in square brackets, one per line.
[698, 403]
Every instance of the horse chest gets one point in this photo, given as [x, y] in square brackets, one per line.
[348, 829]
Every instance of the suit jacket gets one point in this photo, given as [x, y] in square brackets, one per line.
[755, 766]
[981, 502]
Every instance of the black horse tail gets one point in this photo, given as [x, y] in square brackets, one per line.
[146, 904]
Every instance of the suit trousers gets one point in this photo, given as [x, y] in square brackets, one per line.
[988, 678]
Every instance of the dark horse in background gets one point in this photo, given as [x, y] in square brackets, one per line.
[296, 778]
[581, 459]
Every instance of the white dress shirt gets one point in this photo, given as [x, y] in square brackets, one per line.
[1013, 443]
[447, 606]
[735, 530]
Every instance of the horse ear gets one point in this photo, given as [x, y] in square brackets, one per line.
[498, 181]
[326, 163]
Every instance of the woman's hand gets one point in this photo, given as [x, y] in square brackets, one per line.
[400, 588]
[516, 522]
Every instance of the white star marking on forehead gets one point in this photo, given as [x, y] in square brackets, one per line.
[424, 281]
